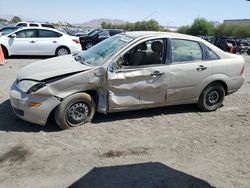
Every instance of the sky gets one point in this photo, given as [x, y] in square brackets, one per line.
[166, 12]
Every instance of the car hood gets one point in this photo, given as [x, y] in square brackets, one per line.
[52, 67]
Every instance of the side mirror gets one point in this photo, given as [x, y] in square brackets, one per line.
[13, 35]
[118, 65]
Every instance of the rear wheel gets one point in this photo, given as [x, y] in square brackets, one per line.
[211, 97]
[75, 111]
[62, 51]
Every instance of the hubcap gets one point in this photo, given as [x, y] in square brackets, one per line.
[213, 97]
[78, 113]
[62, 51]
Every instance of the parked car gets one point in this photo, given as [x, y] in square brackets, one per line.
[82, 34]
[130, 71]
[8, 29]
[39, 41]
[225, 43]
[97, 36]
[34, 24]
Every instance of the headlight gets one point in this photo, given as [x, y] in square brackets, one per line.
[29, 86]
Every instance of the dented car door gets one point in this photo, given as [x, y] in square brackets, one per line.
[136, 88]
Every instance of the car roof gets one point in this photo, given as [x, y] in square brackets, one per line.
[44, 28]
[5, 27]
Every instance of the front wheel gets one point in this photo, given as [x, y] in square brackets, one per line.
[211, 97]
[75, 111]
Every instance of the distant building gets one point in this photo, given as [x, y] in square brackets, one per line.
[237, 21]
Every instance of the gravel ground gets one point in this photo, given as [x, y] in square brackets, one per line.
[178, 147]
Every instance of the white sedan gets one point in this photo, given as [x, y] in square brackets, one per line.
[39, 41]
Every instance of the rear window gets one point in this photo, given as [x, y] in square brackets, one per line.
[47, 25]
[114, 32]
[34, 25]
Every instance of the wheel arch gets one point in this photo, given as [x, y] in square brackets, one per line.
[92, 93]
[223, 83]
[62, 46]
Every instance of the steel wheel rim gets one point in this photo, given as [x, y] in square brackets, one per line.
[78, 113]
[62, 51]
[212, 97]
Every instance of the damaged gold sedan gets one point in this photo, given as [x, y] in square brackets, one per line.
[131, 71]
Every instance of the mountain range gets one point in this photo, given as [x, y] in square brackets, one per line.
[95, 23]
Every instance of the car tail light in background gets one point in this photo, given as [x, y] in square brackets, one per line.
[242, 70]
[77, 41]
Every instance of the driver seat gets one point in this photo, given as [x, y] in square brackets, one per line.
[139, 56]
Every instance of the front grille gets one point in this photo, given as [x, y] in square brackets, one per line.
[18, 112]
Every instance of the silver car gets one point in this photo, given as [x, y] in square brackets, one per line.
[131, 71]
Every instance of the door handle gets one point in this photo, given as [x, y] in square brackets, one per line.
[157, 73]
[54, 41]
[201, 68]
[32, 41]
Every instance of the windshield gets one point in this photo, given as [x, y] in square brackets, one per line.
[6, 31]
[98, 54]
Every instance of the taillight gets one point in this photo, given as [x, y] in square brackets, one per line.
[77, 41]
[242, 70]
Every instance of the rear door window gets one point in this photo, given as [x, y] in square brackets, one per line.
[48, 34]
[186, 51]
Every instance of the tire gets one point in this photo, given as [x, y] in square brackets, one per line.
[62, 51]
[211, 97]
[88, 45]
[75, 111]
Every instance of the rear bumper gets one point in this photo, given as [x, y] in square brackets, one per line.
[75, 49]
[20, 103]
[235, 84]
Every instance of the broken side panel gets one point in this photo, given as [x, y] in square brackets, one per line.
[135, 88]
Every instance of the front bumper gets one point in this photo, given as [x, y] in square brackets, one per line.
[20, 103]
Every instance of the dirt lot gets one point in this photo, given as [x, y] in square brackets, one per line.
[178, 147]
